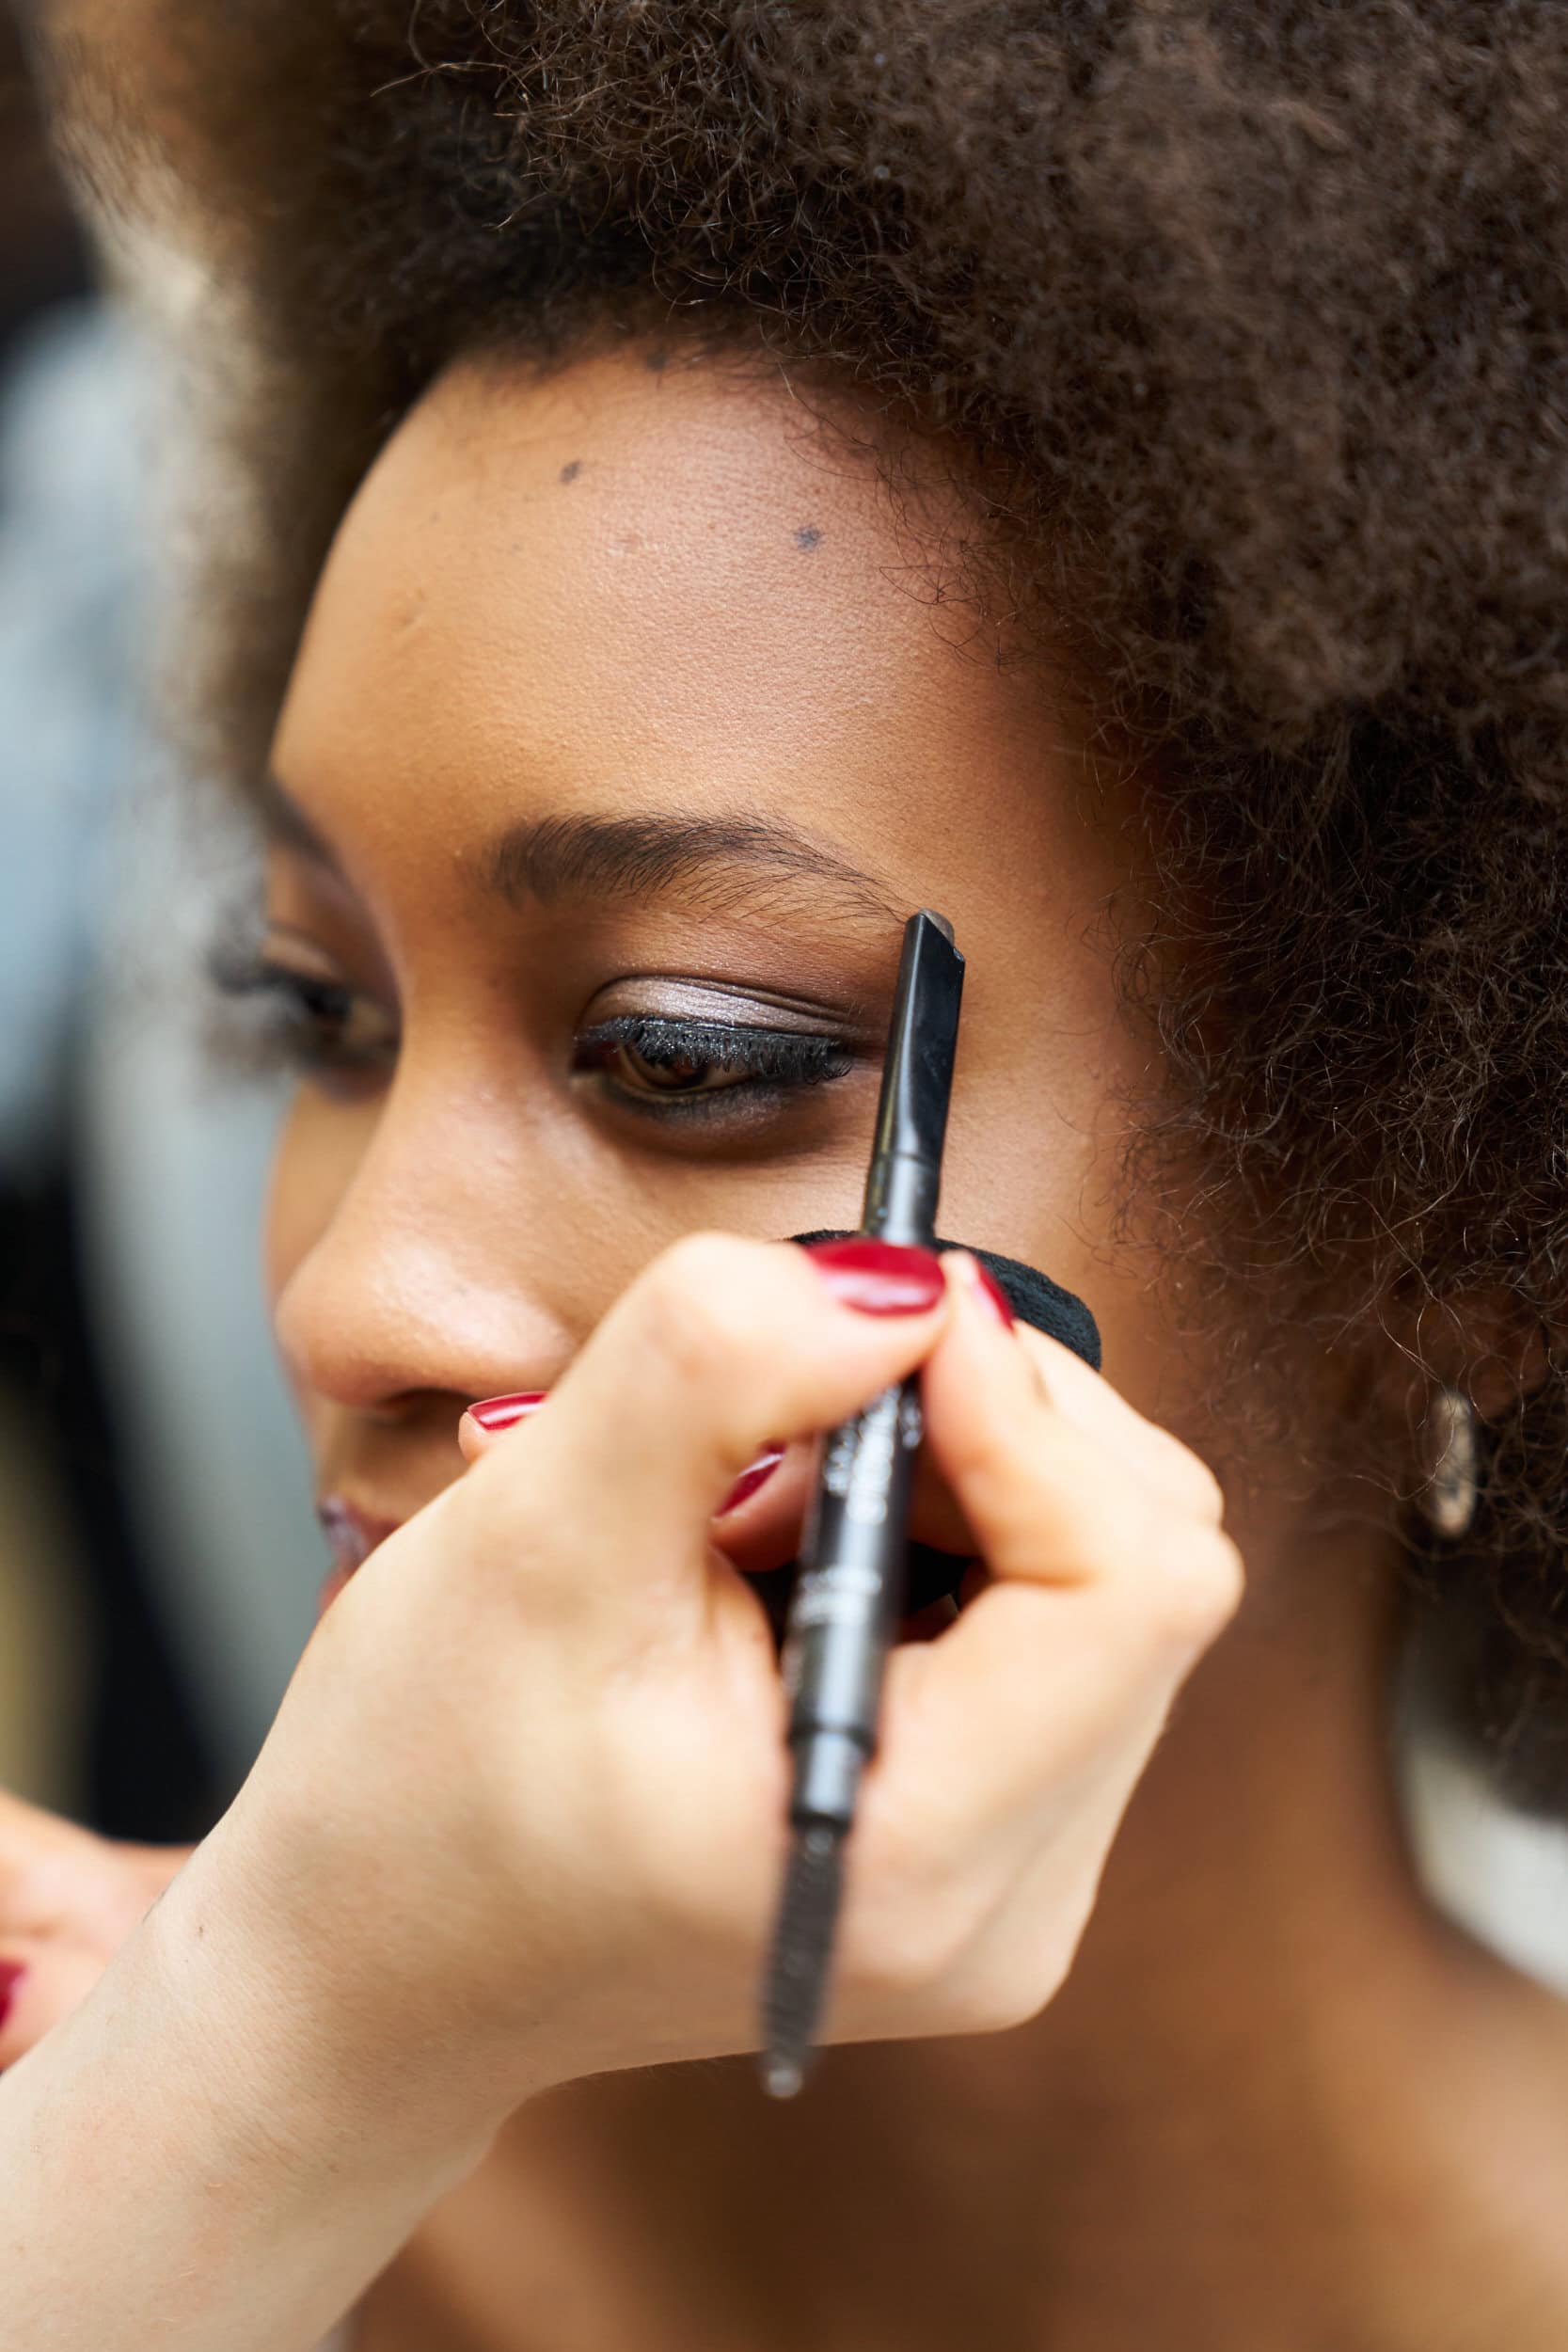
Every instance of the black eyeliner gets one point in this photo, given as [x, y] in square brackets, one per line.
[739, 1046]
[766, 1067]
[847, 1603]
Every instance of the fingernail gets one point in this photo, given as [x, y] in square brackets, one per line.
[11, 1974]
[502, 1412]
[879, 1278]
[750, 1480]
[986, 1286]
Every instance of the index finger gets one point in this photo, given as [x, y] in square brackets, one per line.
[720, 1345]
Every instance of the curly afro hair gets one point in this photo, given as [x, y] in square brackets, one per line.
[1254, 315]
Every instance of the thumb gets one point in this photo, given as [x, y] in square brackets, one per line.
[483, 1425]
[720, 1349]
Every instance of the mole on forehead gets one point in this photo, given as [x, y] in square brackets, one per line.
[807, 536]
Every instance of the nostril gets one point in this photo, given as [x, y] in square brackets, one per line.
[503, 1412]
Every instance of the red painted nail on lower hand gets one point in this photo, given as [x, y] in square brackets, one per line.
[11, 1974]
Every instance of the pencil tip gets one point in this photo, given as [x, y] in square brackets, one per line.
[796, 1983]
[781, 2077]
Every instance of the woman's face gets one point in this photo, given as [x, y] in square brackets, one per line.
[629, 727]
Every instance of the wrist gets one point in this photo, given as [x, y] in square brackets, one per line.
[321, 2077]
[193, 2121]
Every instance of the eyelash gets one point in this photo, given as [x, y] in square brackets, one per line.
[768, 1064]
[295, 1021]
[299, 1020]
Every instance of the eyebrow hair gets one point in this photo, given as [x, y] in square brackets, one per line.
[736, 862]
[713, 859]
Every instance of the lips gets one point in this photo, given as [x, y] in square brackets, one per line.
[352, 1535]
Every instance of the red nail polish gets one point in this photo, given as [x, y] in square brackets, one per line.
[992, 1293]
[748, 1483]
[879, 1278]
[503, 1412]
[11, 1974]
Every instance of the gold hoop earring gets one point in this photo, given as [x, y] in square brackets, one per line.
[1451, 1454]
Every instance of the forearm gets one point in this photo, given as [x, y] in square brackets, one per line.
[177, 2167]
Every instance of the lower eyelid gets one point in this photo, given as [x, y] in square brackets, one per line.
[754, 1103]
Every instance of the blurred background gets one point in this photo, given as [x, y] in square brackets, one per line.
[159, 1560]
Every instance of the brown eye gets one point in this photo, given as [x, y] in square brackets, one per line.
[682, 1074]
[653, 1064]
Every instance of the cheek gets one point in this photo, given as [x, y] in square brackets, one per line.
[318, 1149]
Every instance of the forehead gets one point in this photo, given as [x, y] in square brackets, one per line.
[621, 575]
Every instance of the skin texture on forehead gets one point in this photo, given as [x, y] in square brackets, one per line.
[699, 556]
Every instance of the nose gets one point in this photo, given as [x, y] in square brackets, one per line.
[419, 1262]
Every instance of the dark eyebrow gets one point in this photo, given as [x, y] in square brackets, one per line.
[720, 864]
[734, 862]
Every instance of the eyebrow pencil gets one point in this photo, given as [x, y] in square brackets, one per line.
[848, 1600]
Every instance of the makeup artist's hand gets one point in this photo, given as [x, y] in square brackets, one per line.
[68, 1900]
[521, 1816]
